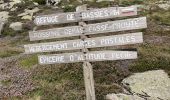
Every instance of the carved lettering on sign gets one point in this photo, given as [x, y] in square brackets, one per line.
[56, 33]
[114, 26]
[131, 38]
[95, 14]
[91, 56]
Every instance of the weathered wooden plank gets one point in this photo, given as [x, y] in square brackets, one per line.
[114, 26]
[110, 12]
[90, 56]
[115, 40]
[95, 14]
[57, 18]
[53, 46]
[56, 33]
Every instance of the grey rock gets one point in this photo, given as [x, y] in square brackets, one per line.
[54, 2]
[155, 84]
[28, 14]
[4, 15]
[16, 26]
[9, 5]
[165, 6]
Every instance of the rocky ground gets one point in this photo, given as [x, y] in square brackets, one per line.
[21, 78]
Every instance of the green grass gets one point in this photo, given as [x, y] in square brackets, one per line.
[152, 57]
[162, 17]
[8, 53]
[41, 2]
[6, 82]
[28, 62]
[66, 82]
[130, 2]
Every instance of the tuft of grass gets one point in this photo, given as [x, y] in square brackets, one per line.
[162, 18]
[152, 57]
[130, 2]
[28, 62]
[9, 53]
[41, 2]
[6, 82]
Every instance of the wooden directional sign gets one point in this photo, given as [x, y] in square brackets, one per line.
[95, 14]
[131, 38]
[90, 56]
[110, 12]
[114, 26]
[111, 26]
[84, 43]
[57, 18]
[56, 33]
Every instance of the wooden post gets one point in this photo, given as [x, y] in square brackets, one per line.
[87, 67]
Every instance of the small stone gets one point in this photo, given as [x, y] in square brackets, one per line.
[28, 14]
[4, 15]
[23, 14]
[13, 9]
[165, 6]
[9, 5]
[17, 26]
[27, 17]
[35, 3]
[36, 9]
[54, 2]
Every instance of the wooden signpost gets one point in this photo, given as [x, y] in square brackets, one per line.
[84, 42]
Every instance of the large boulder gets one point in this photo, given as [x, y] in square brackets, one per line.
[17, 26]
[155, 84]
